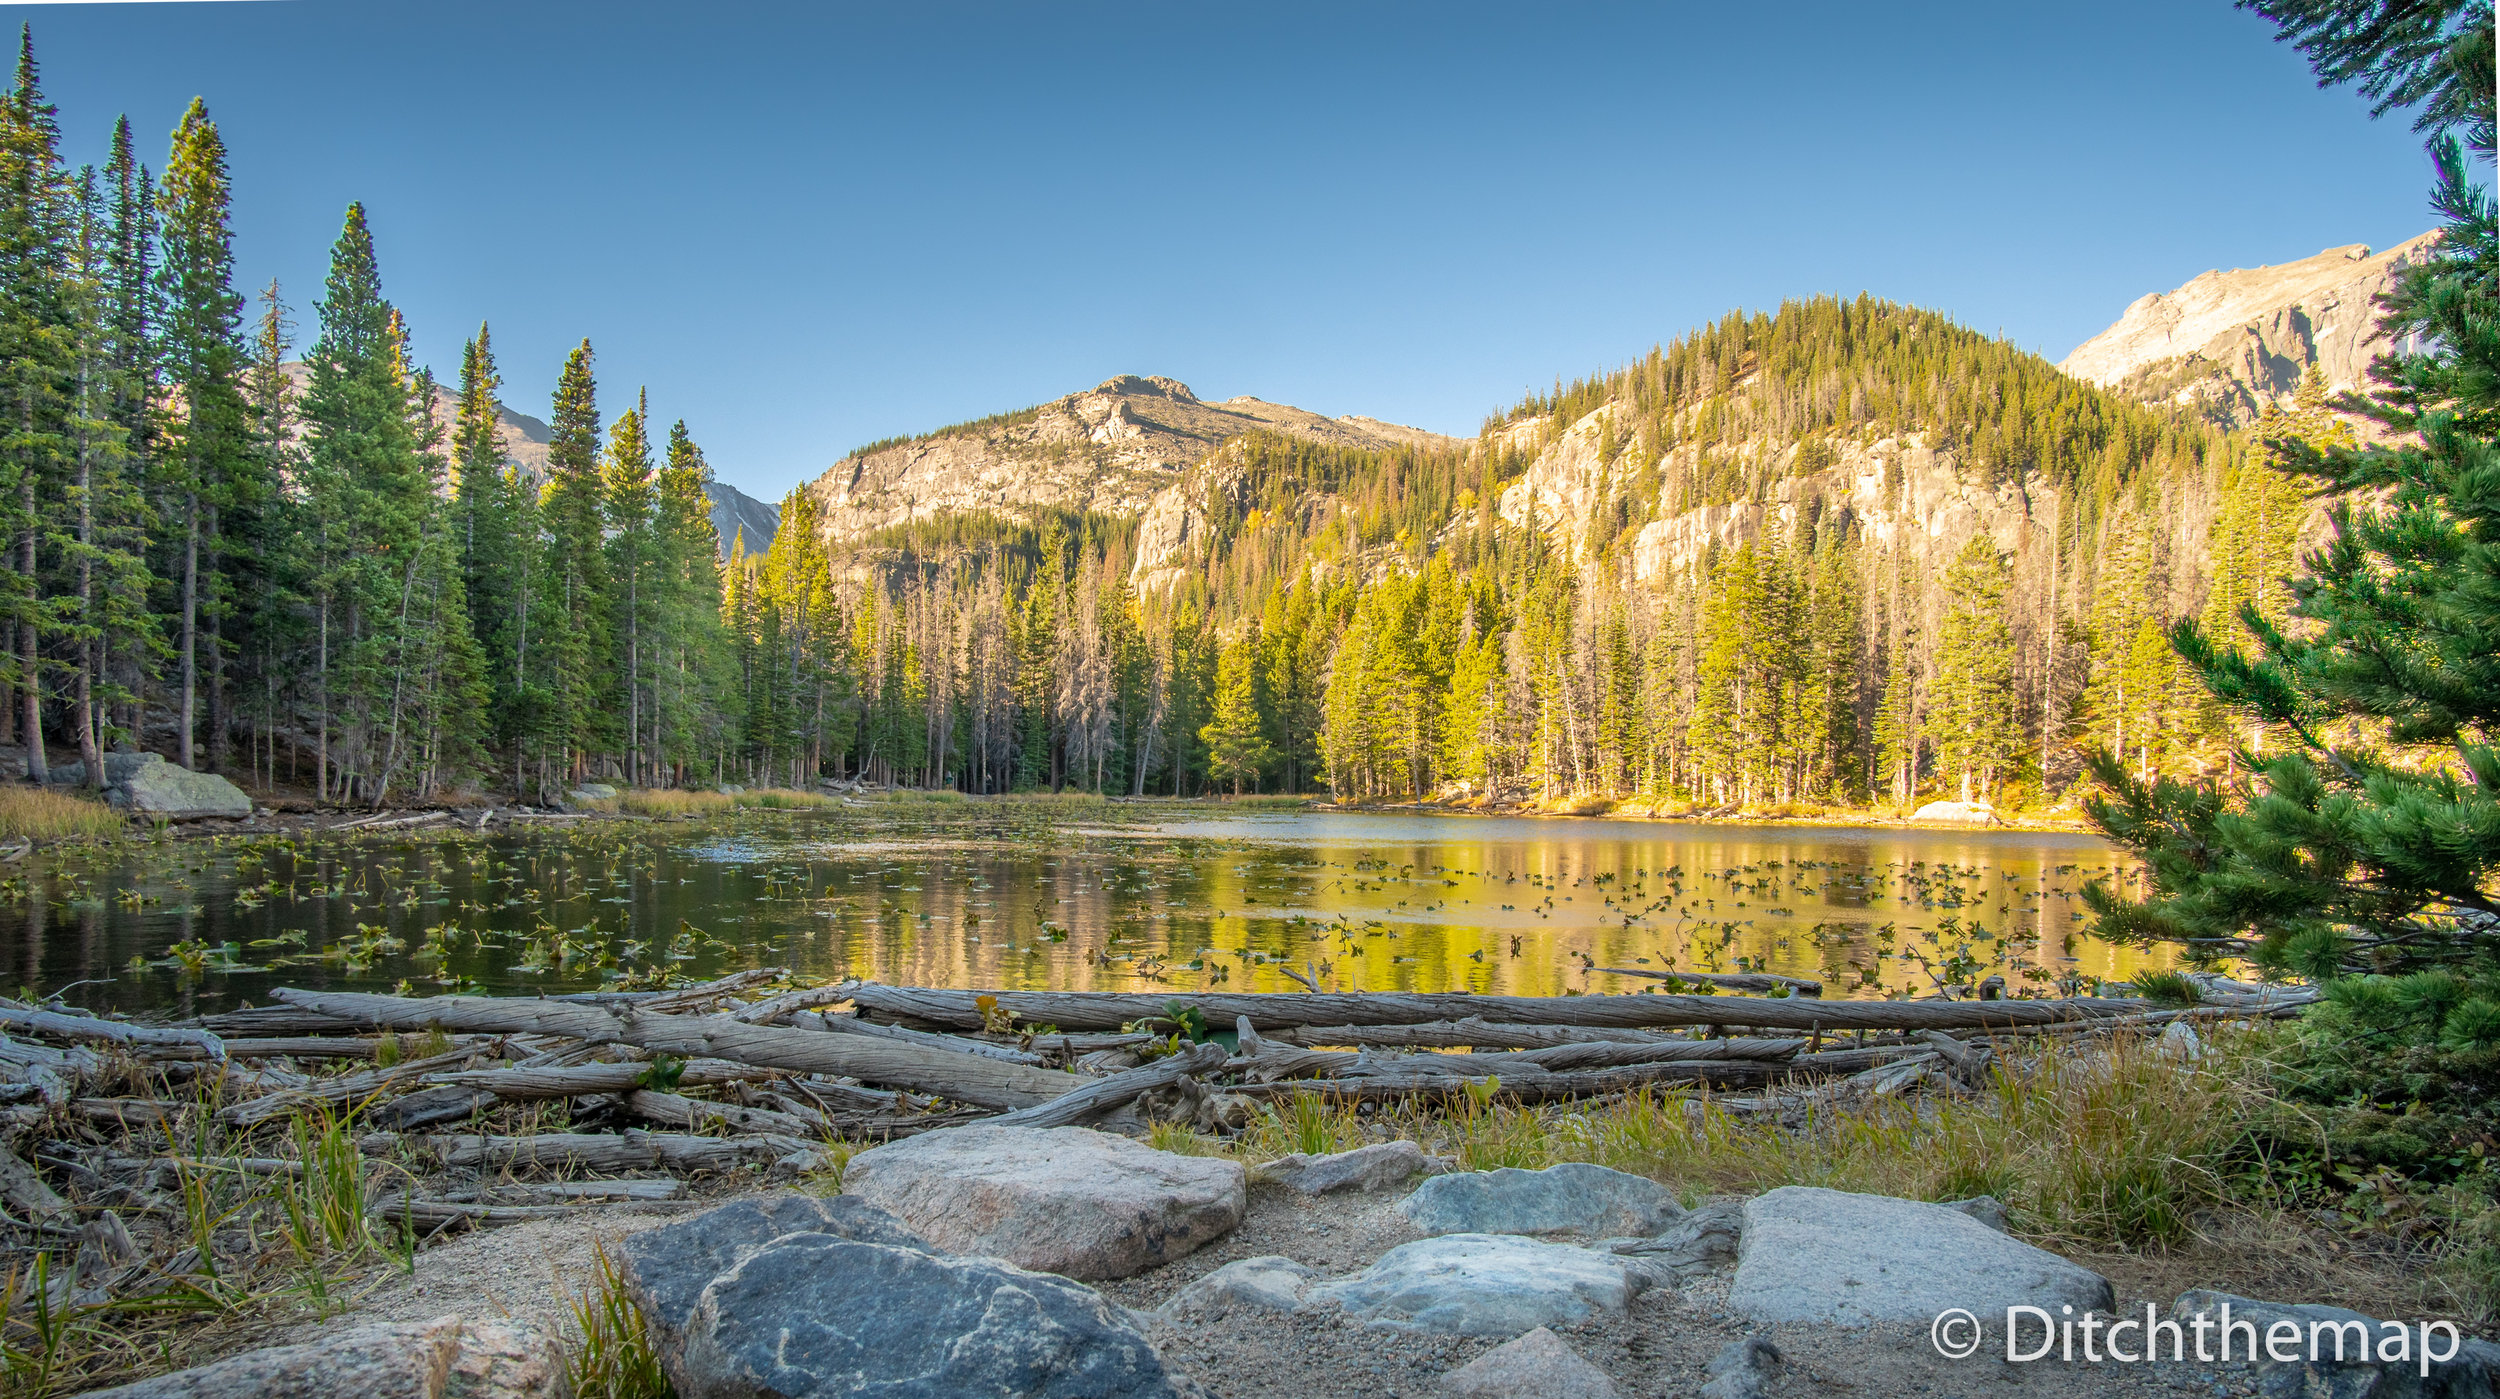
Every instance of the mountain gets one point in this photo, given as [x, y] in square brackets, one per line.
[524, 441]
[1111, 449]
[2232, 344]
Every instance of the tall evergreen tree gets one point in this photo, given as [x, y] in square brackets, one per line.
[209, 454]
[2371, 842]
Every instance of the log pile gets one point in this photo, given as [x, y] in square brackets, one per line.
[482, 1110]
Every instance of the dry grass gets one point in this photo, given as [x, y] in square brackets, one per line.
[2122, 1146]
[670, 801]
[38, 813]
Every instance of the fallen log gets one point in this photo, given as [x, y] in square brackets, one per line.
[56, 1075]
[771, 1009]
[145, 1041]
[26, 1193]
[1473, 1032]
[1565, 1057]
[1531, 1088]
[1103, 1010]
[851, 1025]
[630, 1150]
[1105, 1094]
[1734, 981]
[318, 1047]
[429, 1215]
[341, 1092]
[694, 1113]
[949, 1073]
[518, 1084]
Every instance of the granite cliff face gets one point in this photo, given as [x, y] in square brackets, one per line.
[2234, 343]
[1122, 447]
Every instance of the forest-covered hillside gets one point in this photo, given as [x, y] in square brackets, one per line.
[1840, 551]
[1837, 552]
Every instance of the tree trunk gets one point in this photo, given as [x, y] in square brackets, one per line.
[183, 744]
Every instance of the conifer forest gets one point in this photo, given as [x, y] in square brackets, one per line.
[324, 579]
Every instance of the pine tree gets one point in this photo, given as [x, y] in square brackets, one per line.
[38, 357]
[1978, 730]
[573, 575]
[1236, 752]
[2372, 841]
[625, 497]
[209, 454]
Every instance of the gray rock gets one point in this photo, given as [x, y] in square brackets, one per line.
[1539, 1365]
[442, 1359]
[1827, 1256]
[1743, 1369]
[811, 1314]
[1573, 1198]
[1987, 1209]
[2472, 1373]
[589, 792]
[145, 784]
[1065, 1200]
[1364, 1168]
[666, 1269]
[1273, 1282]
[1484, 1285]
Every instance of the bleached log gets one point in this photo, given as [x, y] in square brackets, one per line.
[1092, 1010]
[519, 1084]
[1105, 1094]
[968, 1078]
[145, 1041]
[345, 1091]
[851, 1025]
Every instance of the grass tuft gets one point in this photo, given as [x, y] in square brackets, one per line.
[612, 1357]
[38, 813]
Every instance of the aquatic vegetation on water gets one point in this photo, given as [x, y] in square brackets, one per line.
[1067, 892]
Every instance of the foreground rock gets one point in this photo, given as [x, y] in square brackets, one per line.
[1743, 1370]
[1539, 1365]
[1850, 1260]
[812, 1314]
[1272, 1283]
[2345, 1364]
[1065, 1200]
[1374, 1167]
[443, 1359]
[1574, 1198]
[146, 785]
[1484, 1285]
[666, 1269]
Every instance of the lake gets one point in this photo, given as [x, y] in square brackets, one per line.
[1063, 895]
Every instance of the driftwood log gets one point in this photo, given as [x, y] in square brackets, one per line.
[145, 1041]
[1104, 1010]
[968, 1078]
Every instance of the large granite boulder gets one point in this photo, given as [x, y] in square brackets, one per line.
[811, 1314]
[1573, 1198]
[1484, 1285]
[1065, 1200]
[1818, 1255]
[443, 1359]
[666, 1269]
[145, 784]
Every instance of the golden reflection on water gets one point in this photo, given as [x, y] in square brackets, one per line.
[1131, 897]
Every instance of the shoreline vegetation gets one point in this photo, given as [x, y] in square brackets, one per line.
[182, 1191]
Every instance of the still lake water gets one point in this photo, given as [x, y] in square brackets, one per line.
[1096, 896]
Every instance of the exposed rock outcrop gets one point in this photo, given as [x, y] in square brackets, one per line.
[2237, 342]
[1115, 448]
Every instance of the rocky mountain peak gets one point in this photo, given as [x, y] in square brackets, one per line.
[2236, 342]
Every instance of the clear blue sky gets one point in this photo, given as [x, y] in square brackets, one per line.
[805, 226]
